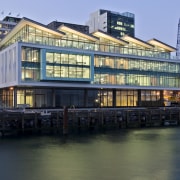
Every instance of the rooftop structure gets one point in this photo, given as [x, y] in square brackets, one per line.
[78, 27]
[114, 23]
[62, 66]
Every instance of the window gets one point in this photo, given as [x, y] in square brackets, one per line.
[71, 66]
[30, 64]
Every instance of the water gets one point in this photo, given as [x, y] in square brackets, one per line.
[141, 154]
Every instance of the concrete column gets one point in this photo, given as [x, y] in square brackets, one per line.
[139, 97]
[114, 98]
[85, 97]
[162, 97]
[15, 97]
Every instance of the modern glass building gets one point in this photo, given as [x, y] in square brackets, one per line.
[114, 23]
[45, 67]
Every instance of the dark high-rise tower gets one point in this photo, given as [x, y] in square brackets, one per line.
[114, 23]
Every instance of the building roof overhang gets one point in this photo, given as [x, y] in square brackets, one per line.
[65, 29]
[162, 45]
[101, 34]
[137, 41]
[25, 21]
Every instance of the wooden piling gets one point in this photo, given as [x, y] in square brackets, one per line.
[22, 122]
[65, 121]
[35, 121]
[3, 124]
[57, 121]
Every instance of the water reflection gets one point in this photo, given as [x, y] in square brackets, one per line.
[144, 154]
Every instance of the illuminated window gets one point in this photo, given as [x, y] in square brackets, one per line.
[119, 23]
[30, 64]
[67, 65]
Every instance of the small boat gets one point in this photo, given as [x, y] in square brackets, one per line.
[170, 123]
[45, 113]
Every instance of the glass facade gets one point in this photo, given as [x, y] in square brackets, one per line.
[107, 69]
[6, 97]
[150, 95]
[119, 25]
[64, 66]
[126, 98]
[58, 66]
[30, 67]
[55, 97]
[136, 72]
[37, 36]
[35, 97]
[71, 70]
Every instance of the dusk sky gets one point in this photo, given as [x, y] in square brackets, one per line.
[153, 18]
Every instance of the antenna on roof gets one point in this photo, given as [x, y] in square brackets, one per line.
[9, 13]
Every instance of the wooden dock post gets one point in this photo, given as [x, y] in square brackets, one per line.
[22, 123]
[127, 118]
[161, 117]
[65, 121]
[35, 121]
[139, 119]
[3, 124]
[170, 114]
[150, 118]
[178, 117]
[57, 121]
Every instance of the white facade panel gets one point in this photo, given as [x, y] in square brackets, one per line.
[103, 22]
[97, 22]
[93, 22]
[9, 66]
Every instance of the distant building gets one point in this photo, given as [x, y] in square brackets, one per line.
[81, 28]
[7, 24]
[114, 23]
[178, 42]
